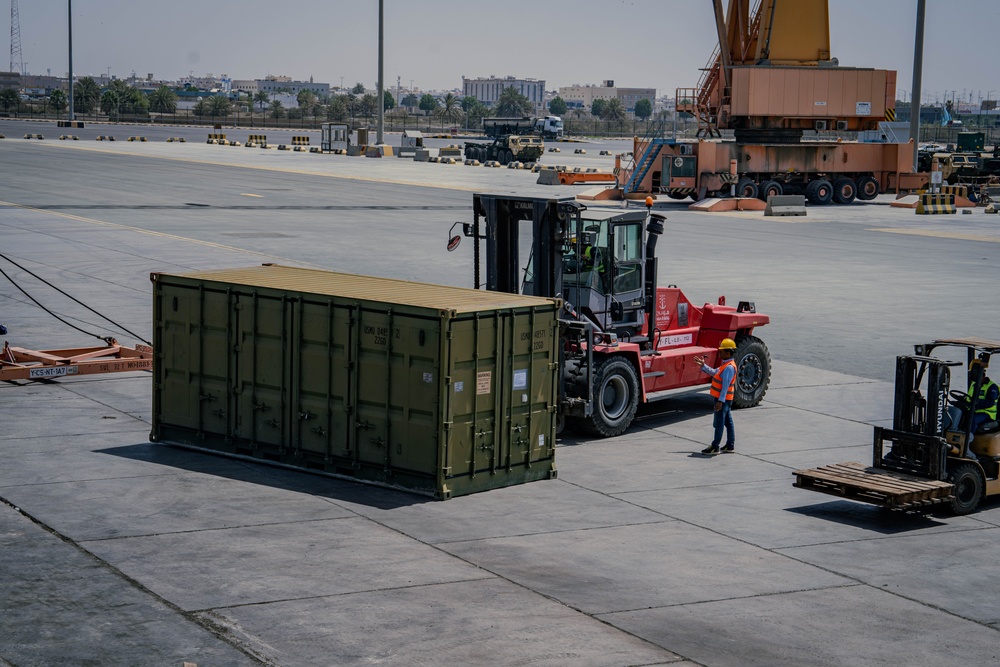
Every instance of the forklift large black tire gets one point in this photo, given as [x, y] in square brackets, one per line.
[819, 192]
[745, 187]
[769, 189]
[753, 371]
[845, 190]
[868, 188]
[616, 397]
[968, 487]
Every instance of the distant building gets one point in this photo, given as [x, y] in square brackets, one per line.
[488, 90]
[582, 97]
[273, 84]
[10, 80]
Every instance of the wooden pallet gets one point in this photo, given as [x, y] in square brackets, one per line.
[855, 481]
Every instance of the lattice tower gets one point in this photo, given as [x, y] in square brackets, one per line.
[16, 57]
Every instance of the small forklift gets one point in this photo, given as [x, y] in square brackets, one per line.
[924, 460]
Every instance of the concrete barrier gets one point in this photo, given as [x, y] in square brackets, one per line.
[69, 136]
[137, 138]
[934, 204]
[300, 141]
[555, 150]
[178, 139]
[105, 137]
[472, 163]
[315, 149]
[548, 177]
[580, 151]
[257, 139]
[492, 163]
[450, 151]
[422, 155]
[33, 136]
[779, 205]
[216, 138]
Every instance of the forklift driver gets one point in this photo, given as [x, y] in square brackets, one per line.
[982, 411]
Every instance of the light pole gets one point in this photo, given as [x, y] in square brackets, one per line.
[381, 82]
[918, 62]
[70, 7]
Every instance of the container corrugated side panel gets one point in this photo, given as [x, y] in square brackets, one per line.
[338, 385]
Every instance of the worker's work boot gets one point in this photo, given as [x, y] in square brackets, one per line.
[711, 450]
[728, 449]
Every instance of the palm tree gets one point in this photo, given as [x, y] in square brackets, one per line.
[337, 109]
[57, 99]
[512, 103]
[262, 98]
[450, 107]
[86, 94]
[8, 98]
[163, 100]
[369, 105]
[277, 109]
[614, 111]
[306, 100]
[220, 105]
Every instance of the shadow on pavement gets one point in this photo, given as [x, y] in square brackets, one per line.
[266, 474]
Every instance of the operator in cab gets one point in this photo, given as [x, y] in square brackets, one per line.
[981, 410]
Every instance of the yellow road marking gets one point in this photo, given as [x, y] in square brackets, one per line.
[937, 234]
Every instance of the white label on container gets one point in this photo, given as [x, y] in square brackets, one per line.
[541, 440]
[521, 379]
[459, 386]
[683, 339]
[936, 177]
[428, 378]
[483, 382]
[863, 109]
[821, 104]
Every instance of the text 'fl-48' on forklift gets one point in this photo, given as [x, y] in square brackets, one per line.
[926, 458]
[624, 339]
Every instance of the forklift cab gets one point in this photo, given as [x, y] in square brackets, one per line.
[597, 262]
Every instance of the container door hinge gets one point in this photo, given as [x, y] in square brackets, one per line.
[365, 425]
[305, 416]
[321, 432]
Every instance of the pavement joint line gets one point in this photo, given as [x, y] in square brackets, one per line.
[134, 583]
[63, 269]
[195, 531]
[732, 599]
[877, 538]
[303, 172]
[955, 236]
[139, 230]
[71, 389]
[366, 591]
[583, 529]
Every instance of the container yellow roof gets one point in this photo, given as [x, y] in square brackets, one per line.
[367, 288]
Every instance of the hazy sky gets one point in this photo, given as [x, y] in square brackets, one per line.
[433, 43]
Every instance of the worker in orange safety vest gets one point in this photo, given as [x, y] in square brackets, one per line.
[723, 389]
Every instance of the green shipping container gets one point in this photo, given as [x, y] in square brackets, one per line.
[440, 390]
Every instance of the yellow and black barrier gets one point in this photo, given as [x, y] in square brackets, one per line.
[173, 139]
[300, 141]
[105, 137]
[137, 138]
[64, 137]
[33, 136]
[933, 204]
[216, 138]
[257, 138]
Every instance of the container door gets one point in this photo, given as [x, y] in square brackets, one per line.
[414, 395]
[476, 346]
[193, 363]
[322, 380]
[375, 337]
[262, 362]
[530, 385]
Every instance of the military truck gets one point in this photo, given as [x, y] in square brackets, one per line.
[506, 148]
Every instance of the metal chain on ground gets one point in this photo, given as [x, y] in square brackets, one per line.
[37, 303]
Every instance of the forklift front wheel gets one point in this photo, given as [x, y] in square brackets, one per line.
[616, 397]
[968, 488]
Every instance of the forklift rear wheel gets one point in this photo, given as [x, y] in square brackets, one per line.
[616, 397]
[968, 488]
[753, 371]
